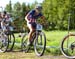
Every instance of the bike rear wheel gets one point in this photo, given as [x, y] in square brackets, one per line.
[11, 41]
[40, 44]
[68, 46]
[24, 46]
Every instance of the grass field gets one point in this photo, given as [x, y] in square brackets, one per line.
[53, 38]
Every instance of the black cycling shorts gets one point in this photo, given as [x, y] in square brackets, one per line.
[33, 24]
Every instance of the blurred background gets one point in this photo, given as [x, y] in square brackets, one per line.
[60, 17]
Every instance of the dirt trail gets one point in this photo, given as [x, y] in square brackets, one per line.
[22, 55]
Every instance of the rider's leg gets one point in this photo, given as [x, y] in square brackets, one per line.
[32, 30]
[30, 34]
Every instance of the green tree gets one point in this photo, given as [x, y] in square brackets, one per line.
[8, 7]
[56, 12]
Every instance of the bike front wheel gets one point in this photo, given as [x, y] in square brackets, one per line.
[4, 43]
[40, 44]
[68, 46]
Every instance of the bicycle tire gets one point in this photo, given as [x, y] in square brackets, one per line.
[35, 44]
[11, 41]
[24, 43]
[63, 50]
[2, 45]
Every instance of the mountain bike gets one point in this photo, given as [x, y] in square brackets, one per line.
[39, 41]
[6, 41]
[68, 46]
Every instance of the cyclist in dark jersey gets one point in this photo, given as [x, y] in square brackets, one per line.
[31, 18]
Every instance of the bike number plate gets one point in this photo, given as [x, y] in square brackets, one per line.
[39, 27]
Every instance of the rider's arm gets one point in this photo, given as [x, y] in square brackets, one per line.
[3, 23]
[43, 17]
[43, 20]
[30, 15]
[3, 26]
[26, 17]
